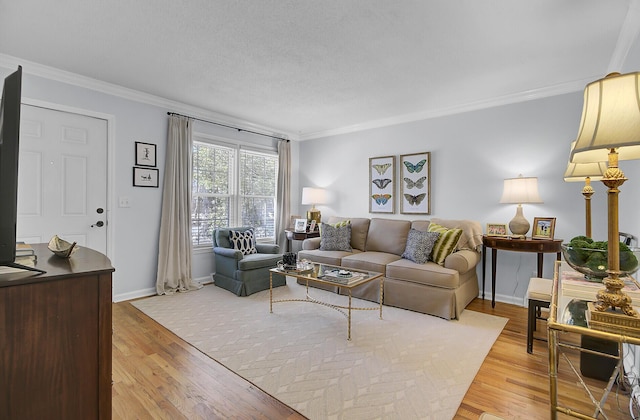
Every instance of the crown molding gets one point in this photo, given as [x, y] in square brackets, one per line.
[627, 37]
[51, 73]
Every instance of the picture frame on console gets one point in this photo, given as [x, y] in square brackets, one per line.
[301, 225]
[415, 182]
[497, 229]
[382, 184]
[543, 227]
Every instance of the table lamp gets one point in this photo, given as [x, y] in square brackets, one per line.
[313, 196]
[519, 191]
[610, 130]
[585, 172]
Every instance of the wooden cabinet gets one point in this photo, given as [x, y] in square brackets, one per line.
[55, 338]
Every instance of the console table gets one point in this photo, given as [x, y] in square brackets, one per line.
[55, 335]
[292, 235]
[538, 246]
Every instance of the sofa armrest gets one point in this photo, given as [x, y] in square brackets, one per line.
[268, 248]
[311, 243]
[227, 252]
[462, 260]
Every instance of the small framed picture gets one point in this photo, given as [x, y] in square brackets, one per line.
[543, 227]
[312, 226]
[497, 229]
[145, 177]
[145, 154]
[301, 225]
[292, 220]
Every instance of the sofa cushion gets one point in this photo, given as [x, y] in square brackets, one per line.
[334, 238]
[419, 245]
[370, 261]
[325, 257]
[445, 244]
[359, 230]
[429, 273]
[243, 241]
[388, 235]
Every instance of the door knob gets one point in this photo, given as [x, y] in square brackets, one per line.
[99, 223]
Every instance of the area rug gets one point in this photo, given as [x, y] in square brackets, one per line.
[407, 365]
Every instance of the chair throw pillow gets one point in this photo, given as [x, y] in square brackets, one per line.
[334, 238]
[244, 242]
[445, 244]
[419, 245]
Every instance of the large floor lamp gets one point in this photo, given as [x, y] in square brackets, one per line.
[610, 130]
[585, 172]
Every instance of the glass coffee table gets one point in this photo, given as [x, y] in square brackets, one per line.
[345, 278]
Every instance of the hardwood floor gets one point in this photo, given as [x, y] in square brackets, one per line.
[157, 375]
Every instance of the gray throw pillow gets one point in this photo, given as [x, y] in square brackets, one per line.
[419, 245]
[334, 238]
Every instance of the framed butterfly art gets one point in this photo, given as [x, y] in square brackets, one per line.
[415, 183]
[381, 184]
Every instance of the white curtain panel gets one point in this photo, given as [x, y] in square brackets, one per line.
[174, 253]
[284, 192]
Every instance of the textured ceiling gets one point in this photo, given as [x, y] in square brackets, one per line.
[306, 68]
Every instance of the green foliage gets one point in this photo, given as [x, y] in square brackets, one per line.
[586, 252]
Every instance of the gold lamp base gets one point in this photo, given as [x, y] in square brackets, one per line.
[314, 214]
[613, 296]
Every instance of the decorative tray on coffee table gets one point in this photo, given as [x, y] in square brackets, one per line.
[293, 269]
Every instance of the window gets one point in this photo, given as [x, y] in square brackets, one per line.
[232, 186]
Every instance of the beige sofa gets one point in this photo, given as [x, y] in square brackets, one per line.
[378, 244]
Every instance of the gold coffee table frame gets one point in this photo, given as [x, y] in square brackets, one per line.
[316, 274]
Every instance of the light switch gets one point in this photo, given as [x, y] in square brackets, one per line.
[124, 202]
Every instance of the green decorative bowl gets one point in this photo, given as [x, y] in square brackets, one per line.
[593, 263]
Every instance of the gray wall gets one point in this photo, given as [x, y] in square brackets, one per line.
[471, 154]
[133, 231]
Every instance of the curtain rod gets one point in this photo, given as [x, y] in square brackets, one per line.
[228, 126]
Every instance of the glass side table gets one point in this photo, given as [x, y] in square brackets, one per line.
[569, 315]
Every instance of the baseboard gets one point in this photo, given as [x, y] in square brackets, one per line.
[513, 300]
[137, 294]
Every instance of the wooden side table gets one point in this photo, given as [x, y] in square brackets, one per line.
[539, 246]
[292, 235]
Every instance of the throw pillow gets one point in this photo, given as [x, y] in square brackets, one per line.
[445, 244]
[334, 238]
[244, 242]
[419, 245]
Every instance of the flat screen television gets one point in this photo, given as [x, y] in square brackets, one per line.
[9, 147]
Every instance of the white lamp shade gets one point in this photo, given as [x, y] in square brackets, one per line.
[610, 119]
[578, 172]
[520, 190]
[313, 196]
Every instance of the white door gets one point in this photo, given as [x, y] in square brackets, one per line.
[62, 181]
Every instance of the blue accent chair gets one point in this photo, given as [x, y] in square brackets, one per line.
[244, 274]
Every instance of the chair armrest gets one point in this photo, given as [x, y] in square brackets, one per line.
[462, 260]
[311, 243]
[228, 252]
[268, 248]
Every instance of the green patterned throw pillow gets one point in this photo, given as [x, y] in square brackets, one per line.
[445, 244]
